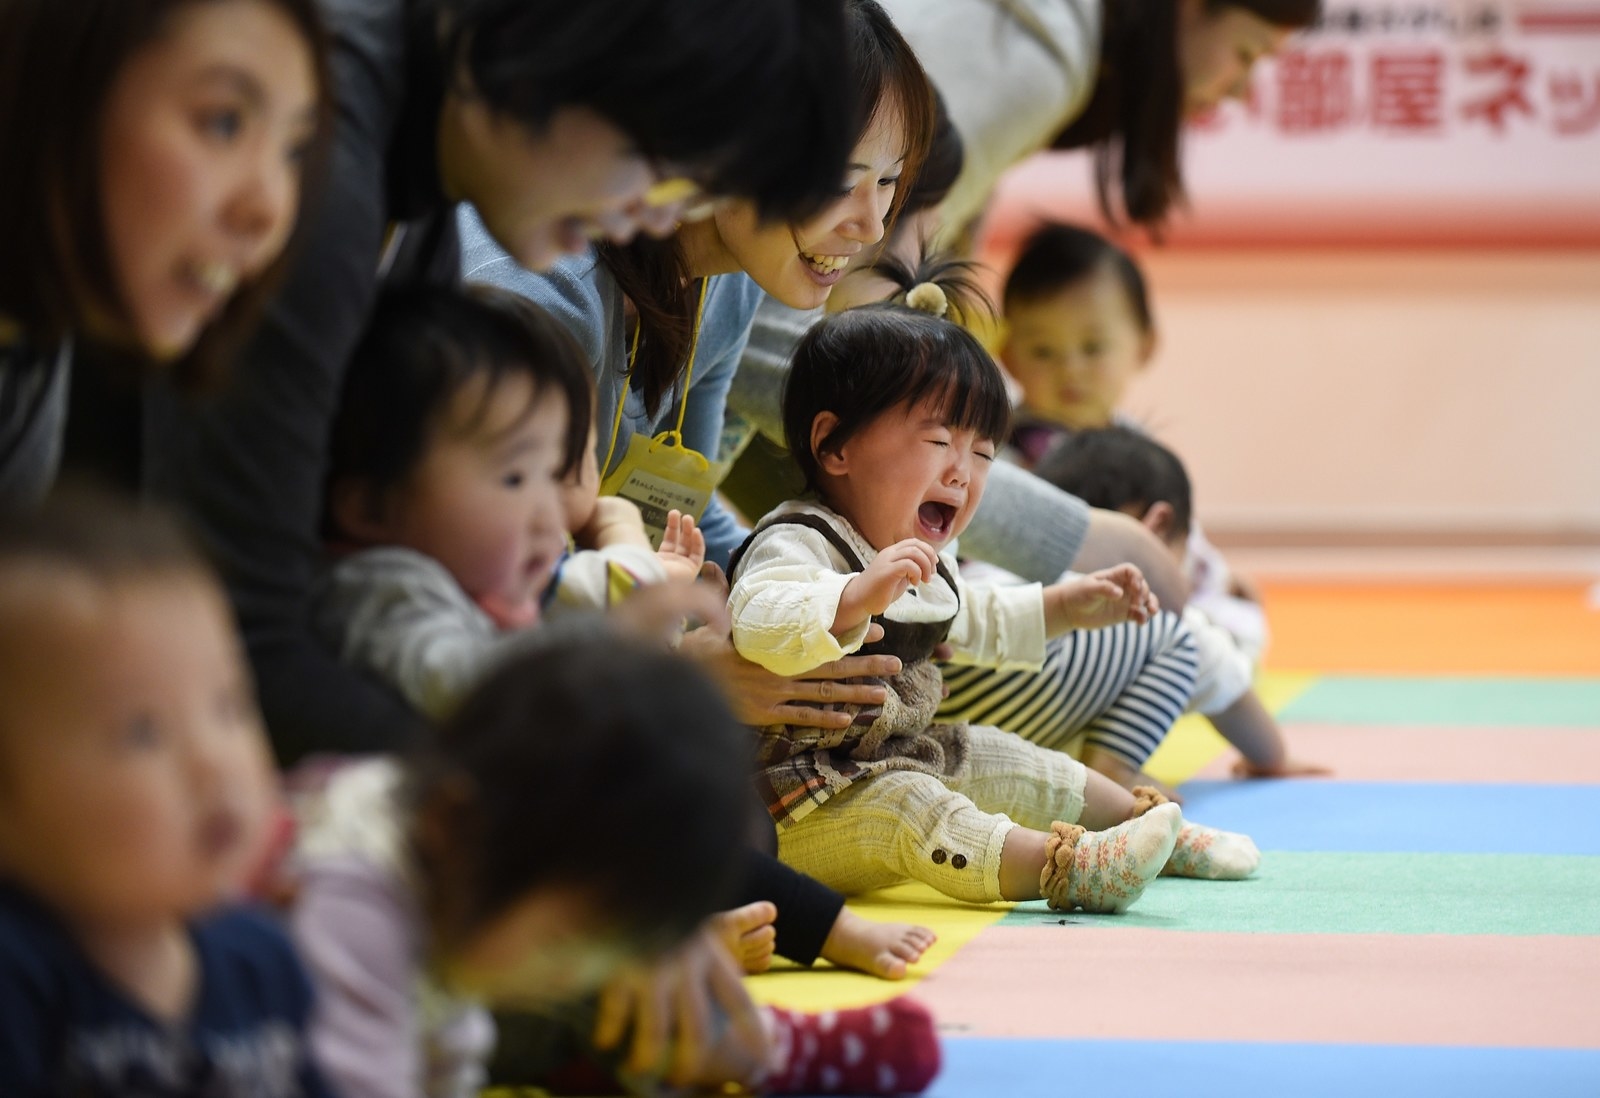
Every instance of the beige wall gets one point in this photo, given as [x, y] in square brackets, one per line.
[1354, 411]
[1385, 392]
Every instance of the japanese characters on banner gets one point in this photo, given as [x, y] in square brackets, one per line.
[1391, 121]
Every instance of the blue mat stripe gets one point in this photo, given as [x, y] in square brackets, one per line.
[1051, 1069]
[1397, 817]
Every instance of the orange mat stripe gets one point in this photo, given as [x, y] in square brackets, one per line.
[1445, 629]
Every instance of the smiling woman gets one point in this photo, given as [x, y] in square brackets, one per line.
[154, 152]
[660, 317]
[204, 135]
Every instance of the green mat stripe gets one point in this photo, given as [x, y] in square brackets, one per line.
[1307, 893]
[1479, 702]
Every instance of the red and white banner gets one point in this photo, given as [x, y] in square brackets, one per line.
[1395, 122]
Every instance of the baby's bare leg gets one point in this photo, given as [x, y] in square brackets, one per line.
[1113, 766]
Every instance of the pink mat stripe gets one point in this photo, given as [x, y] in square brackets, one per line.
[1536, 756]
[1062, 983]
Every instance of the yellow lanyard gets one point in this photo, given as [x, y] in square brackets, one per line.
[688, 376]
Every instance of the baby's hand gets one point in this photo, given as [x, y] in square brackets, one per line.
[891, 572]
[616, 521]
[1288, 768]
[683, 548]
[1110, 596]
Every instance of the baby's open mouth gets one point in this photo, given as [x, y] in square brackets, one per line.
[936, 519]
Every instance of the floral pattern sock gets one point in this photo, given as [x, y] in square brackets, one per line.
[892, 1048]
[1105, 871]
[1212, 855]
[1201, 851]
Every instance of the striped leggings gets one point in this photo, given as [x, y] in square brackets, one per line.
[1120, 688]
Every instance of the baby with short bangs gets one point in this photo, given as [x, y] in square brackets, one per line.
[459, 462]
[894, 415]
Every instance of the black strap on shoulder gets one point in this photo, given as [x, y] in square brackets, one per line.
[827, 530]
[813, 522]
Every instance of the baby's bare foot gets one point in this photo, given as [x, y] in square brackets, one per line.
[749, 934]
[879, 949]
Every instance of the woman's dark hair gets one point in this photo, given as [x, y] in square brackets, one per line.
[1135, 114]
[744, 96]
[1118, 467]
[422, 346]
[883, 74]
[596, 762]
[58, 63]
[862, 363]
[1056, 256]
[941, 166]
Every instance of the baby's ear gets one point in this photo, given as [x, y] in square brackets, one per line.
[1148, 344]
[359, 511]
[1157, 518]
[829, 459]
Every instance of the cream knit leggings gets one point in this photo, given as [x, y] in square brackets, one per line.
[948, 833]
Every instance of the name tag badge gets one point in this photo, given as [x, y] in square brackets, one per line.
[661, 474]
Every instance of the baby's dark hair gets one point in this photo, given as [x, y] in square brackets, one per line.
[424, 344]
[104, 537]
[596, 762]
[863, 362]
[1116, 468]
[1057, 256]
[967, 303]
[81, 535]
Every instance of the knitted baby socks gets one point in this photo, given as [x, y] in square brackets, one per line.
[892, 1048]
[1201, 851]
[1105, 871]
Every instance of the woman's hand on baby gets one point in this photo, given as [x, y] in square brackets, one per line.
[1110, 596]
[690, 1017]
[761, 698]
[683, 547]
[875, 588]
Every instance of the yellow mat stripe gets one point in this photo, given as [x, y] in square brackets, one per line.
[827, 988]
[1193, 743]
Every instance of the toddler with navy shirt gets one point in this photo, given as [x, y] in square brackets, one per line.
[136, 790]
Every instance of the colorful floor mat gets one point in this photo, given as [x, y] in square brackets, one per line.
[1425, 921]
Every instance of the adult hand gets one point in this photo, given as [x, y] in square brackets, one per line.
[690, 1015]
[759, 697]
